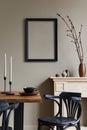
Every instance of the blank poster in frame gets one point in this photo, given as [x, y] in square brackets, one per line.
[40, 39]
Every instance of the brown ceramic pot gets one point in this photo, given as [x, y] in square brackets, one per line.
[82, 70]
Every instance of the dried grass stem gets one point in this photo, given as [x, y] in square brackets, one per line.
[71, 32]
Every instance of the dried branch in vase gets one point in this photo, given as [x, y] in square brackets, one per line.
[76, 39]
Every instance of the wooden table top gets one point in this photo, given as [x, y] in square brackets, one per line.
[19, 97]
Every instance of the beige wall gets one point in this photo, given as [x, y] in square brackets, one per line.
[12, 14]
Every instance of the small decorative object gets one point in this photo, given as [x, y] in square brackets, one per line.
[65, 73]
[57, 75]
[82, 70]
[76, 39]
[29, 89]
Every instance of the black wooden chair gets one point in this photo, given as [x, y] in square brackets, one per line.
[5, 112]
[72, 103]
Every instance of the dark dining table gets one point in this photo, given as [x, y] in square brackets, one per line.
[19, 112]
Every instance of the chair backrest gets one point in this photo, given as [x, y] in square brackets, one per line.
[3, 106]
[5, 111]
[72, 104]
[12, 107]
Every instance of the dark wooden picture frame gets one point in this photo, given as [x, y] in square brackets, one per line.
[37, 29]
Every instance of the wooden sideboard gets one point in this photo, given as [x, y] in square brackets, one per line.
[73, 84]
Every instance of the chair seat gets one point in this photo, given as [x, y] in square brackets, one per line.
[57, 121]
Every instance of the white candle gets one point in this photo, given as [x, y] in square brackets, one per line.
[10, 69]
[5, 66]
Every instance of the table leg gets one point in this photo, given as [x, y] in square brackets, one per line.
[18, 117]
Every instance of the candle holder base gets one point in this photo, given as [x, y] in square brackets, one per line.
[9, 93]
[4, 93]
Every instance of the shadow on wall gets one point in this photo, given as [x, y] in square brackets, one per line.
[46, 107]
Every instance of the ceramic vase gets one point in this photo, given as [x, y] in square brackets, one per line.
[82, 69]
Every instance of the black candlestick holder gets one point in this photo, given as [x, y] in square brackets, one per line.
[10, 92]
[4, 84]
[10, 83]
[4, 92]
